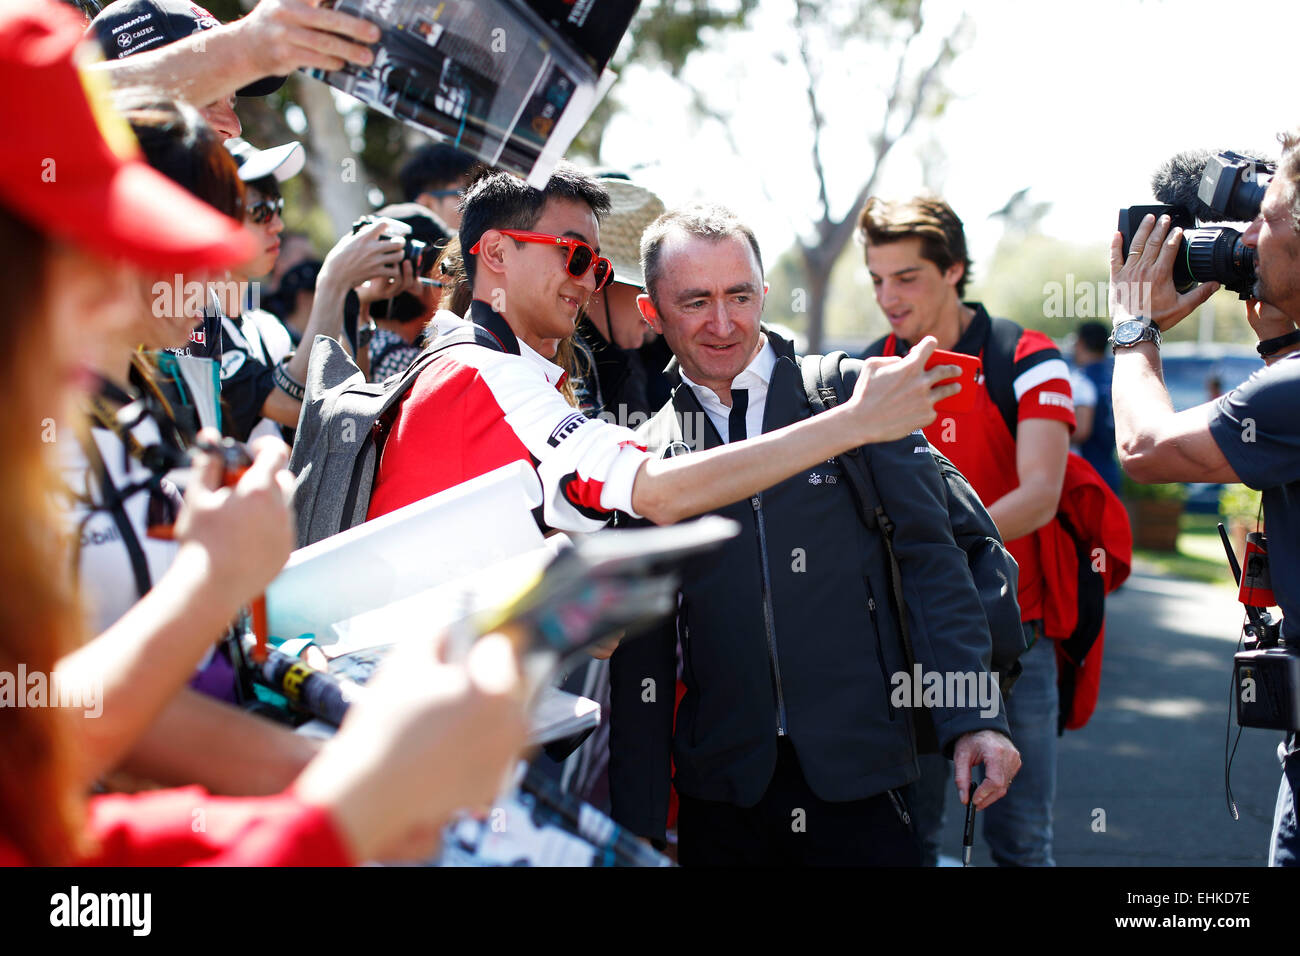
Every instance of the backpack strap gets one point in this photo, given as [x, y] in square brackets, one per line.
[1000, 369]
[469, 335]
[825, 386]
[115, 505]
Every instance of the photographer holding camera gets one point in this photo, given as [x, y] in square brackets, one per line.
[1251, 434]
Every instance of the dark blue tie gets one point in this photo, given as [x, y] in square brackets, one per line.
[736, 421]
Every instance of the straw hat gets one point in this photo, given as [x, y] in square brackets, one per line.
[632, 208]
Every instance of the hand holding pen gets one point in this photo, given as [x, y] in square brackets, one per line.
[1001, 762]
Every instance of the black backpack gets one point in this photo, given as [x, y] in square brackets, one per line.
[342, 428]
[992, 567]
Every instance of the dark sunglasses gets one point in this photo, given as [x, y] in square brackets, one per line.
[582, 258]
[264, 210]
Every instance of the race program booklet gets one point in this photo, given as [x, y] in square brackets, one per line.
[494, 78]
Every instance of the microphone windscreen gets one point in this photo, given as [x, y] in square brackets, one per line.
[1176, 181]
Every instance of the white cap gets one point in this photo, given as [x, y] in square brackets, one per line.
[283, 162]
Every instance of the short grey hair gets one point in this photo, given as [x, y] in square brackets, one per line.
[705, 220]
[1289, 169]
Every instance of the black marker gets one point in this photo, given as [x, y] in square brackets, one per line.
[968, 834]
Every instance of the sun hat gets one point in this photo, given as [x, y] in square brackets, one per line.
[631, 209]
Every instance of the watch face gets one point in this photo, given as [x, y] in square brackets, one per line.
[1129, 332]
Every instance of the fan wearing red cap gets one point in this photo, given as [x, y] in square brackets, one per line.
[74, 197]
[76, 174]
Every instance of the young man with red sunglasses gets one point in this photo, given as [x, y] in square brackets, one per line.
[533, 261]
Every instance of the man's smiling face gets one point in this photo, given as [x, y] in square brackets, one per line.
[542, 299]
[709, 302]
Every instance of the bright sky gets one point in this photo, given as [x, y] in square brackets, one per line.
[1079, 101]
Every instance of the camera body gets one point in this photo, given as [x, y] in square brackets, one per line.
[1231, 187]
[1266, 682]
[1266, 675]
[420, 254]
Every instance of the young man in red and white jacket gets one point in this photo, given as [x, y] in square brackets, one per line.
[916, 254]
[532, 260]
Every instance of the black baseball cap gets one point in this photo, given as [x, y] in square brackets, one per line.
[128, 27]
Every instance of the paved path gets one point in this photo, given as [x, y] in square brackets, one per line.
[1152, 756]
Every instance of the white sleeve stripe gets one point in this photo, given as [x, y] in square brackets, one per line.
[1040, 373]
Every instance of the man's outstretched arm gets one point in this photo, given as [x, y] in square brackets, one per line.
[278, 37]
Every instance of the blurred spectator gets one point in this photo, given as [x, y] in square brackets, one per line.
[292, 301]
[295, 249]
[1213, 386]
[400, 318]
[436, 176]
[248, 331]
[612, 330]
[1094, 431]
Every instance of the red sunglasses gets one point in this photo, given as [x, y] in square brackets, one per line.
[582, 258]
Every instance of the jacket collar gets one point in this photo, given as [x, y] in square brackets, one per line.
[491, 321]
[482, 314]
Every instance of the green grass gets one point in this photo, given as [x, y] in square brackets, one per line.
[1199, 556]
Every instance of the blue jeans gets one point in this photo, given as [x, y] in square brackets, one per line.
[1018, 828]
[1285, 847]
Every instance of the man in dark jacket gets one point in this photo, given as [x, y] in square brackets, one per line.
[795, 730]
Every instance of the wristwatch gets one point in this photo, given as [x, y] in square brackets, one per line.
[1130, 333]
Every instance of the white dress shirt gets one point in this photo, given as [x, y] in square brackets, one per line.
[754, 379]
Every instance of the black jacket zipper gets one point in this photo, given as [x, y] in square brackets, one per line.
[757, 504]
[880, 652]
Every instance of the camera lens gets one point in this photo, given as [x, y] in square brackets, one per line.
[1215, 255]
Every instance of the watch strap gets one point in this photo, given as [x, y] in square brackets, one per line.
[1271, 346]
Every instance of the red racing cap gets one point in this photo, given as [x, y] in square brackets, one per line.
[70, 165]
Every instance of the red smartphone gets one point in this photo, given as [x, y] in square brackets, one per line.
[970, 365]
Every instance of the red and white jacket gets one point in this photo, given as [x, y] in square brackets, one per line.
[474, 409]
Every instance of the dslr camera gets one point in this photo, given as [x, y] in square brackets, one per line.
[421, 255]
[1203, 187]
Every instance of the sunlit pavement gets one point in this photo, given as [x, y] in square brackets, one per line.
[1142, 784]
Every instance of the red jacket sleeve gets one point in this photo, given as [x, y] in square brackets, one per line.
[190, 827]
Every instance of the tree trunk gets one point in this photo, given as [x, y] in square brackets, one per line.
[817, 277]
[336, 172]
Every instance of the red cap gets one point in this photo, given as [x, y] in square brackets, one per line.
[70, 165]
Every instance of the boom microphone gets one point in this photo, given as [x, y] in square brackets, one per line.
[1177, 182]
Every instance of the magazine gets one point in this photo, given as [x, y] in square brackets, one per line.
[494, 78]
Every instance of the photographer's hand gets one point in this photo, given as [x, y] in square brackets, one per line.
[1143, 284]
[365, 254]
[386, 285]
[356, 257]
